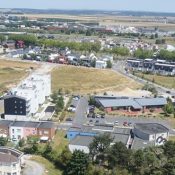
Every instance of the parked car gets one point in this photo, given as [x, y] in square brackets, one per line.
[116, 123]
[102, 115]
[98, 116]
[125, 123]
[90, 121]
[97, 121]
[69, 119]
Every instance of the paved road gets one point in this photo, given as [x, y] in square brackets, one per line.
[119, 67]
[33, 168]
[80, 114]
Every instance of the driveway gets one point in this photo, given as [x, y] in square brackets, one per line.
[32, 167]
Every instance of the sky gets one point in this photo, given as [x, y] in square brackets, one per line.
[135, 5]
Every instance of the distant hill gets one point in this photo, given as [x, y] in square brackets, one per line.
[88, 12]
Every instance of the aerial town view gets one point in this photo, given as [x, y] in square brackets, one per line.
[87, 87]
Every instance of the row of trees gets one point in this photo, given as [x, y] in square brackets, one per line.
[143, 54]
[167, 55]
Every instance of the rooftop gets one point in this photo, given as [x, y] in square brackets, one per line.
[7, 158]
[82, 140]
[151, 128]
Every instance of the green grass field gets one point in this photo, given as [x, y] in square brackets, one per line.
[165, 81]
[89, 80]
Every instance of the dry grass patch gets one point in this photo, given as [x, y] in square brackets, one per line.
[158, 79]
[11, 72]
[88, 80]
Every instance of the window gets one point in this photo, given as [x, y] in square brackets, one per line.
[20, 102]
[15, 101]
[46, 132]
[13, 130]
[18, 130]
[15, 112]
[40, 133]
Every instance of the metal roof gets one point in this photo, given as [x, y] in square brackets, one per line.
[82, 140]
[151, 128]
[151, 101]
[120, 103]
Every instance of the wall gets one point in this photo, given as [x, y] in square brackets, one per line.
[11, 168]
[29, 132]
[72, 148]
[16, 133]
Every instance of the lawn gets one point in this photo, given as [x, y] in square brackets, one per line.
[158, 79]
[50, 168]
[11, 72]
[79, 80]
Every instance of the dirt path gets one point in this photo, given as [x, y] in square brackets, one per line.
[32, 167]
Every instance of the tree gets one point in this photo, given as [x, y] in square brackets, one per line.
[156, 35]
[78, 164]
[119, 155]
[109, 64]
[21, 143]
[64, 158]
[100, 146]
[169, 107]
[3, 141]
[59, 104]
[169, 149]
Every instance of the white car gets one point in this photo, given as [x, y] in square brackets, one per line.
[116, 123]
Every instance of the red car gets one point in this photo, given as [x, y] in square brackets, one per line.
[125, 123]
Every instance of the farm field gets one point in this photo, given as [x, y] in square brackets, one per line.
[80, 80]
[12, 72]
[107, 19]
[165, 81]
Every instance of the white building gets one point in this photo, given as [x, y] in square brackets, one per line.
[23, 102]
[81, 143]
[10, 161]
[100, 64]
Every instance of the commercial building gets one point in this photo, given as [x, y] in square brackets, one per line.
[22, 102]
[11, 161]
[140, 136]
[126, 104]
[152, 132]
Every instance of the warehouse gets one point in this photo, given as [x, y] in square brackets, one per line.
[152, 132]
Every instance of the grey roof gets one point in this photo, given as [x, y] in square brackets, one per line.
[31, 124]
[151, 128]
[75, 129]
[151, 101]
[141, 144]
[103, 128]
[5, 122]
[120, 103]
[7, 158]
[120, 138]
[87, 129]
[136, 103]
[121, 130]
[12, 96]
[18, 124]
[82, 140]
[46, 125]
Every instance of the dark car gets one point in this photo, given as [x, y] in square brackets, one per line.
[69, 119]
[97, 121]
